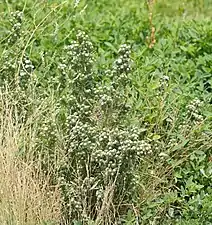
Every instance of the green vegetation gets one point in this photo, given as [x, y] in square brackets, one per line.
[105, 112]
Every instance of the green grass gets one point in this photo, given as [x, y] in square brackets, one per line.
[124, 133]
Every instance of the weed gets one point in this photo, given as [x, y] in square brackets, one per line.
[98, 127]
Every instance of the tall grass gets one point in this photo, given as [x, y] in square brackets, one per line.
[85, 141]
[26, 197]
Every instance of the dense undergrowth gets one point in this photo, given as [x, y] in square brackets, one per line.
[105, 112]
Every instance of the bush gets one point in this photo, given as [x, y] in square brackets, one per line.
[118, 123]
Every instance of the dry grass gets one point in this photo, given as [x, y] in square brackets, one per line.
[26, 198]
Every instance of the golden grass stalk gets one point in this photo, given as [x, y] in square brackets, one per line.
[26, 197]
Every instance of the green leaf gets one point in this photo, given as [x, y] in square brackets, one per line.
[112, 47]
[178, 175]
[202, 171]
[156, 137]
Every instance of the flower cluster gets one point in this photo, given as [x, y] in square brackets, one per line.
[122, 66]
[192, 115]
[47, 132]
[105, 150]
[11, 66]
[76, 3]
[164, 81]
[48, 129]
[104, 94]
[163, 84]
[26, 70]
[193, 110]
[62, 67]
[172, 142]
[185, 126]
[111, 94]
[116, 148]
[76, 67]
[8, 68]
[16, 22]
[80, 54]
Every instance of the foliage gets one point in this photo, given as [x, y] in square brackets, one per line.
[126, 128]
